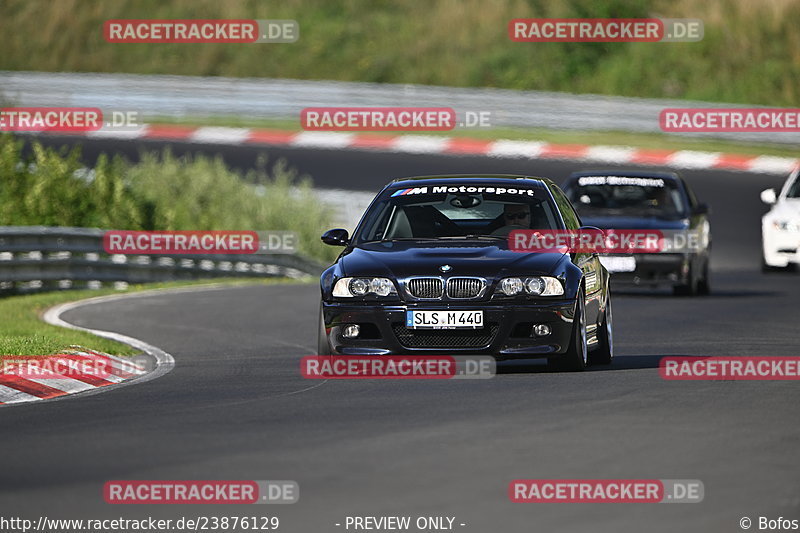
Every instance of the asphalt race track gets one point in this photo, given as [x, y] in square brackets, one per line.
[236, 407]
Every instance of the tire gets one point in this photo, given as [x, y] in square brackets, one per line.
[604, 353]
[323, 346]
[690, 289]
[577, 355]
[704, 285]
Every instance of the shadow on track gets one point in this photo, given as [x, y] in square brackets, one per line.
[738, 293]
[621, 362]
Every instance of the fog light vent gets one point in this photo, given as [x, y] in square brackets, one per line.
[541, 330]
[351, 331]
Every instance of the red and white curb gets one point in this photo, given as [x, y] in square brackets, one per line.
[49, 384]
[15, 390]
[429, 144]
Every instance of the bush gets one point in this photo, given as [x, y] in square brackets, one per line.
[161, 192]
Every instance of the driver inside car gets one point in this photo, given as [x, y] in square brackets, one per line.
[515, 216]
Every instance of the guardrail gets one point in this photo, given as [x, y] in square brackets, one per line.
[39, 258]
[154, 97]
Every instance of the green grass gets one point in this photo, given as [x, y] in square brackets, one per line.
[606, 138]
[23, 332]
[750, 52]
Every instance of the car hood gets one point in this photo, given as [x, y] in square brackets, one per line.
[787, 208]
[401, 259]
[620, 222]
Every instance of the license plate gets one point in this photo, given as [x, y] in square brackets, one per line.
[444, 319]
[618, 264]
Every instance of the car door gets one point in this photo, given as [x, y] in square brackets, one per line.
[699, 223]
[589, 263]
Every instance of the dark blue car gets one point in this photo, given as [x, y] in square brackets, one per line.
[428, 270]
[644, 200]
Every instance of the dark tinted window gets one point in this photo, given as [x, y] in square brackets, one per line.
[571, 218]
[794, 189]
[690, 194]
[458, 211]
[627, 196]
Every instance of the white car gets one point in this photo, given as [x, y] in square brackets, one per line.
[780, 227]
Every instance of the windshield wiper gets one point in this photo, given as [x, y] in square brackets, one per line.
[394, 239]
[447, 237]
[475, 236]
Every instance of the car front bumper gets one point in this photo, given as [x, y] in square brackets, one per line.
[506, 333]
[781, 247]
[654, 270]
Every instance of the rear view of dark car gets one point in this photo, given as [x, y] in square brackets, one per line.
[659, 201]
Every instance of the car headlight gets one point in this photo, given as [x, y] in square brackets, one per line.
[786, 225]
[381, 286]
[511, 286]
[355, 287]
[535, 286]
[359, 286]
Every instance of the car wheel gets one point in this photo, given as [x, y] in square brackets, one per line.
[323, 346]
[690, 288]
[576, 357]
[604, 353]
[704, 285]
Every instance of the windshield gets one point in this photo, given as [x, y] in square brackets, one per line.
[631, 196]
[794, 189]
[458, 215]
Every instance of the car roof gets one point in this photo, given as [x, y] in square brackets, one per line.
[482, 179]
[627, 174]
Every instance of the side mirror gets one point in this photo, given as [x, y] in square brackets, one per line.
[336, 237]
[593, 230]
[701, 209]
[768, 196]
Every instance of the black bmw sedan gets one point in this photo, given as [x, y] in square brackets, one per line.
[429, 271]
